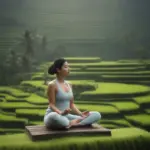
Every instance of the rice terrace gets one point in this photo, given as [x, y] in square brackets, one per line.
[112, 88]
[105, 43]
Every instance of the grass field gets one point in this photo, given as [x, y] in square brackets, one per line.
[125, 138]
[124, 107]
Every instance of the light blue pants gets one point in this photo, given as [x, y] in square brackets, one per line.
[55, 120]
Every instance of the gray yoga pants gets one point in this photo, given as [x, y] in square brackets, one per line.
[55, 120]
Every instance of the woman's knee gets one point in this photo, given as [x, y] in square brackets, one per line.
[55, 120]
[96, 114]
[63, 121]
[49, 118]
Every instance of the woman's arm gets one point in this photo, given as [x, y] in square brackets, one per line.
[74, 108]
[51, 97]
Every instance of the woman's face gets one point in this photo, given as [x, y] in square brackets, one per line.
[64, 71]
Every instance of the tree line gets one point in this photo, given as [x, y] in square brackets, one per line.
[30, 50]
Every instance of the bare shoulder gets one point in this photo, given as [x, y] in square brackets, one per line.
[51, 84]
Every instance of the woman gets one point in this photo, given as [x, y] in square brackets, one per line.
[61, 102]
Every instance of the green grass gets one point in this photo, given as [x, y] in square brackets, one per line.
[142, 119]
[8, 122]
[35, 84]
[118, 122]
[142, 99]
[121, 139]
[109, 126]
[125, 106]
[127, 76]
[31, 114]
[126, 73]
[28, 112]
[83, 85]
[117, 69]
[36, 99]
[9, 98]
[140, 82]
[91, 102]
[40, 77]
[118, 88]
[12, 118]
[2, 99]
[82, 82]
[39, 83]
[7, 113]
[148, 111]
[13, 92]
[113, 74]
[7, 131]
[99, 100]
[36, 122]
[30, 108]
[33, 99]
[133, 60]
[106, 64]
[2, 94]
[100, 108]
[12, 105]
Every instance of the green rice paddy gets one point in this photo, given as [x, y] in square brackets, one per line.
[124, 107]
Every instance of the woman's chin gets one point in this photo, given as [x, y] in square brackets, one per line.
[66, 75]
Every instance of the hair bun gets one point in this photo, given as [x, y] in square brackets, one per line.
[58, 63]
[52, 69]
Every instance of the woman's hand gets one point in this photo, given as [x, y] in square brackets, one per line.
[66, 111]
[85, 114]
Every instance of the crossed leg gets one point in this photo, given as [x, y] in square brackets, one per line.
[76, 120]
[54, 120]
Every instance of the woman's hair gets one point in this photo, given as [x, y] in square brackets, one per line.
[58, 63]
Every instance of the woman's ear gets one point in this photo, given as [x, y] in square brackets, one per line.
[57, 70]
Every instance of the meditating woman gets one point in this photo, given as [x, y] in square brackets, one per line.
[61, 101]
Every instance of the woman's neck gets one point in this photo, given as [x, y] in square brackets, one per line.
[60, 79]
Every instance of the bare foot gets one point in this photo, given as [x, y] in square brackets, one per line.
[74, 122]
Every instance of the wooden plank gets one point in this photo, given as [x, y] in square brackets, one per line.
[40, 132]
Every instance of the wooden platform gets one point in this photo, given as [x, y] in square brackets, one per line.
[40, 132]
